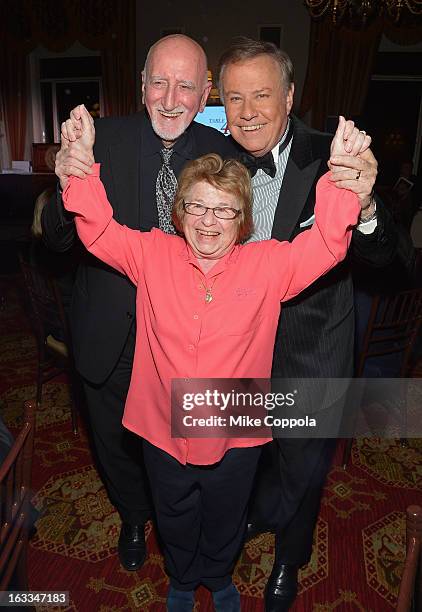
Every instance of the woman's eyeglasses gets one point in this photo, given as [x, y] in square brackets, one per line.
[221, 212]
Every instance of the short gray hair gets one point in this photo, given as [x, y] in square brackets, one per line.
[243, 48]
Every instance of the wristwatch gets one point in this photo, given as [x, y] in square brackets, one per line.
[373, 215]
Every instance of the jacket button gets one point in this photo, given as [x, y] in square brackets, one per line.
[129, 315]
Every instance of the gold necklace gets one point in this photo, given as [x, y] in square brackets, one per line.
[208, 290]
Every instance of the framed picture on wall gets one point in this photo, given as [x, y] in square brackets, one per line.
[44, 156]
[271, 33]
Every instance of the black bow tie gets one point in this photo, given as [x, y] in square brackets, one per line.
[266, 163]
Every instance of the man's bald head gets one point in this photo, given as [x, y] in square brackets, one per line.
[174, 85]
[182, 43]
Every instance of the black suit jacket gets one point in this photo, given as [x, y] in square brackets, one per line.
[103, 302]
[316, 329]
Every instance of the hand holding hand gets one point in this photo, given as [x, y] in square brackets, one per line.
[352, 164]
[76, 157]
[348, 140]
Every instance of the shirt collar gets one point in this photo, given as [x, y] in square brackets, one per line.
[187, 254]
[276, 149]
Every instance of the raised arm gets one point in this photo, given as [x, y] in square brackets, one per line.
[85, 197]
[315, 251]
[375, 239]
[58, 228]
[353, 165]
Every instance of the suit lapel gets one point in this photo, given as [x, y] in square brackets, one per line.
[299, 177]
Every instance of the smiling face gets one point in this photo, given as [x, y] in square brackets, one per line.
[210, 238]
[174, 86]
[256, 102]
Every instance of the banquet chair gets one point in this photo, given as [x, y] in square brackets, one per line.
[410, 593]
[52, 334]
[391, 333]
[15, 513]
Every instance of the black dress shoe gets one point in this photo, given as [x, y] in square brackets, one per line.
[131, 547]
[281, 589]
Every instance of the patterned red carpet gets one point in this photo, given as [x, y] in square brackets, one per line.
[359, 544]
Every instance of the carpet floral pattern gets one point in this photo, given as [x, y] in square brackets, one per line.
[384, 546]
[359, 541]
[390, 463]
[77, 519]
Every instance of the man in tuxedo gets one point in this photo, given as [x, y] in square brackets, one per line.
[315, 338]
[141, 156]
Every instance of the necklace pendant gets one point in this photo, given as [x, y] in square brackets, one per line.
[208, 296]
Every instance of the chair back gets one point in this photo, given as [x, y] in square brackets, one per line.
[15, 493]
[55, 354]
[410, 594]
[47, 311]
[393, 326]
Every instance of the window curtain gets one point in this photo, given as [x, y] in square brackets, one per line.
[340, 65]
[104, 25]
[339, 69]
[118, 64]
[13, 102]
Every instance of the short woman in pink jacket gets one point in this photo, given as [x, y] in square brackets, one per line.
[207, 307]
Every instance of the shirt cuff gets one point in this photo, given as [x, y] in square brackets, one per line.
[368, 227]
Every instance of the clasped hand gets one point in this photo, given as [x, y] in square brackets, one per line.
[352, 163]
[76, 155]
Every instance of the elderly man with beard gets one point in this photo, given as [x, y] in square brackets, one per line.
[141, 155]
[315, 337]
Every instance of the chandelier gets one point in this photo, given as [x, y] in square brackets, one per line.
[359, 11]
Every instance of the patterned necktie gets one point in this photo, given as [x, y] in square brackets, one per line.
[165, 190]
